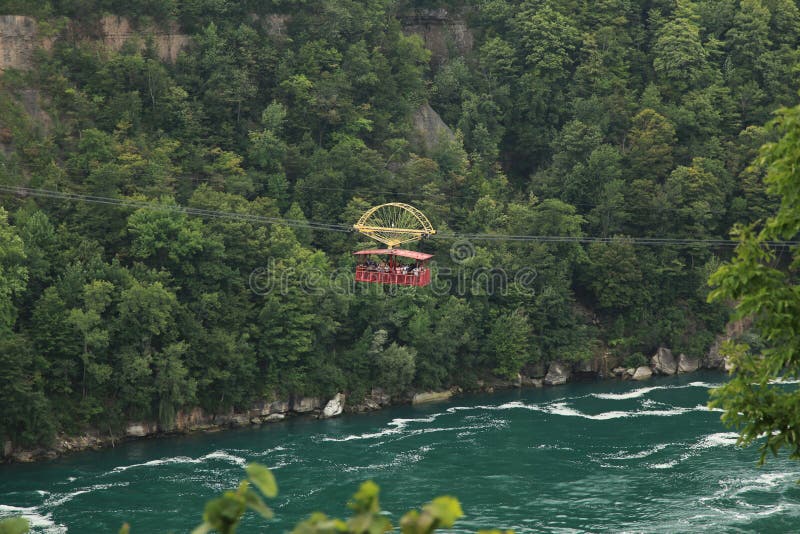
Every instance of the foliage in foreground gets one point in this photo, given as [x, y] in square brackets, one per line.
[223, 514]
[766, 289]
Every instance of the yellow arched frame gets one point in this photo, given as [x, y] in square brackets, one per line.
[394, 223]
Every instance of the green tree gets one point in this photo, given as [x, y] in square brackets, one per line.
[13, 272]
[507, 343]
[89, 321]
[614, 275]
[650, 146]
[393, 366]
[754, 400]
[679, 57]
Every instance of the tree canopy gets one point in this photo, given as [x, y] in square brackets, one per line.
[610, 119]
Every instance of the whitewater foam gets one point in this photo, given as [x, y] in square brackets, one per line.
[625, 455]
[718, 439]
[397, 427]
[400, 460]
[636, 393]
[216, 455]
[59, 499]
[561, 408]
[39, 521]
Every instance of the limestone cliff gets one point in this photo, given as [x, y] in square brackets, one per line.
[429, 129]
[19, 38]
[168, 42]
[444, 33]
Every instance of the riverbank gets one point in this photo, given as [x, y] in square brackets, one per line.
[551, 374]
[605, 456]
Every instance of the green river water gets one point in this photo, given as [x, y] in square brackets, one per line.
[595, 457]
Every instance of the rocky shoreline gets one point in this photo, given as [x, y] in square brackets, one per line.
[555, 373]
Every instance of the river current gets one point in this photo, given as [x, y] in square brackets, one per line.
[594, 457]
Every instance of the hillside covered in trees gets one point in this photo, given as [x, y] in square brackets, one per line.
[611, 118]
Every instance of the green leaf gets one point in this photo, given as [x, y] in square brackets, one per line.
[255, 503]
[366, 498]
[14, 525]
[224, 513]
[204, 528]
[446, 509]
[263, 479]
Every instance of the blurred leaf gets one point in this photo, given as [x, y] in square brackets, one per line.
[366, 498]
[255, 503]
[14, 525]
[263, 479]
[205, 528]
[446, 509]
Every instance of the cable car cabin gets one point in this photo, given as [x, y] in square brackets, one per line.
[393, 271]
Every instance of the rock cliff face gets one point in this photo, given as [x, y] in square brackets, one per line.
[429, 129]
[687, 364]
[168, 42]
[642, 373]
[444, 33]
[18, 40]
[663, 362]
[557, 374]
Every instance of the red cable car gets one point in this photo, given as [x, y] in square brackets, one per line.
[393, 272]
[393, 224]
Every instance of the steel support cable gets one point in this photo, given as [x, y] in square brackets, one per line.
[333, 227]
[651, 241]
[136, 204]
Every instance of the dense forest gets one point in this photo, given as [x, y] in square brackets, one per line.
[611, 118]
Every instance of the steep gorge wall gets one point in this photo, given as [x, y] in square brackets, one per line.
[19, 39]
[444, 33]
[116, 31]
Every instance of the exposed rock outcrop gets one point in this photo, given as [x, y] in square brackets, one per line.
[275, 24]
[444, 33]
[663, 362]
[431, 396]
[140, 429]
[687, 364]
[734, 329]
[279, 407]
[334, 407]
[534, 370]
[429, 129]
[557, 373]
[642, 373]
[168, 42]
[531, 382]
[18, 40]
[305, 404]
[592, 366]
[376, 399]
[714, 360]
